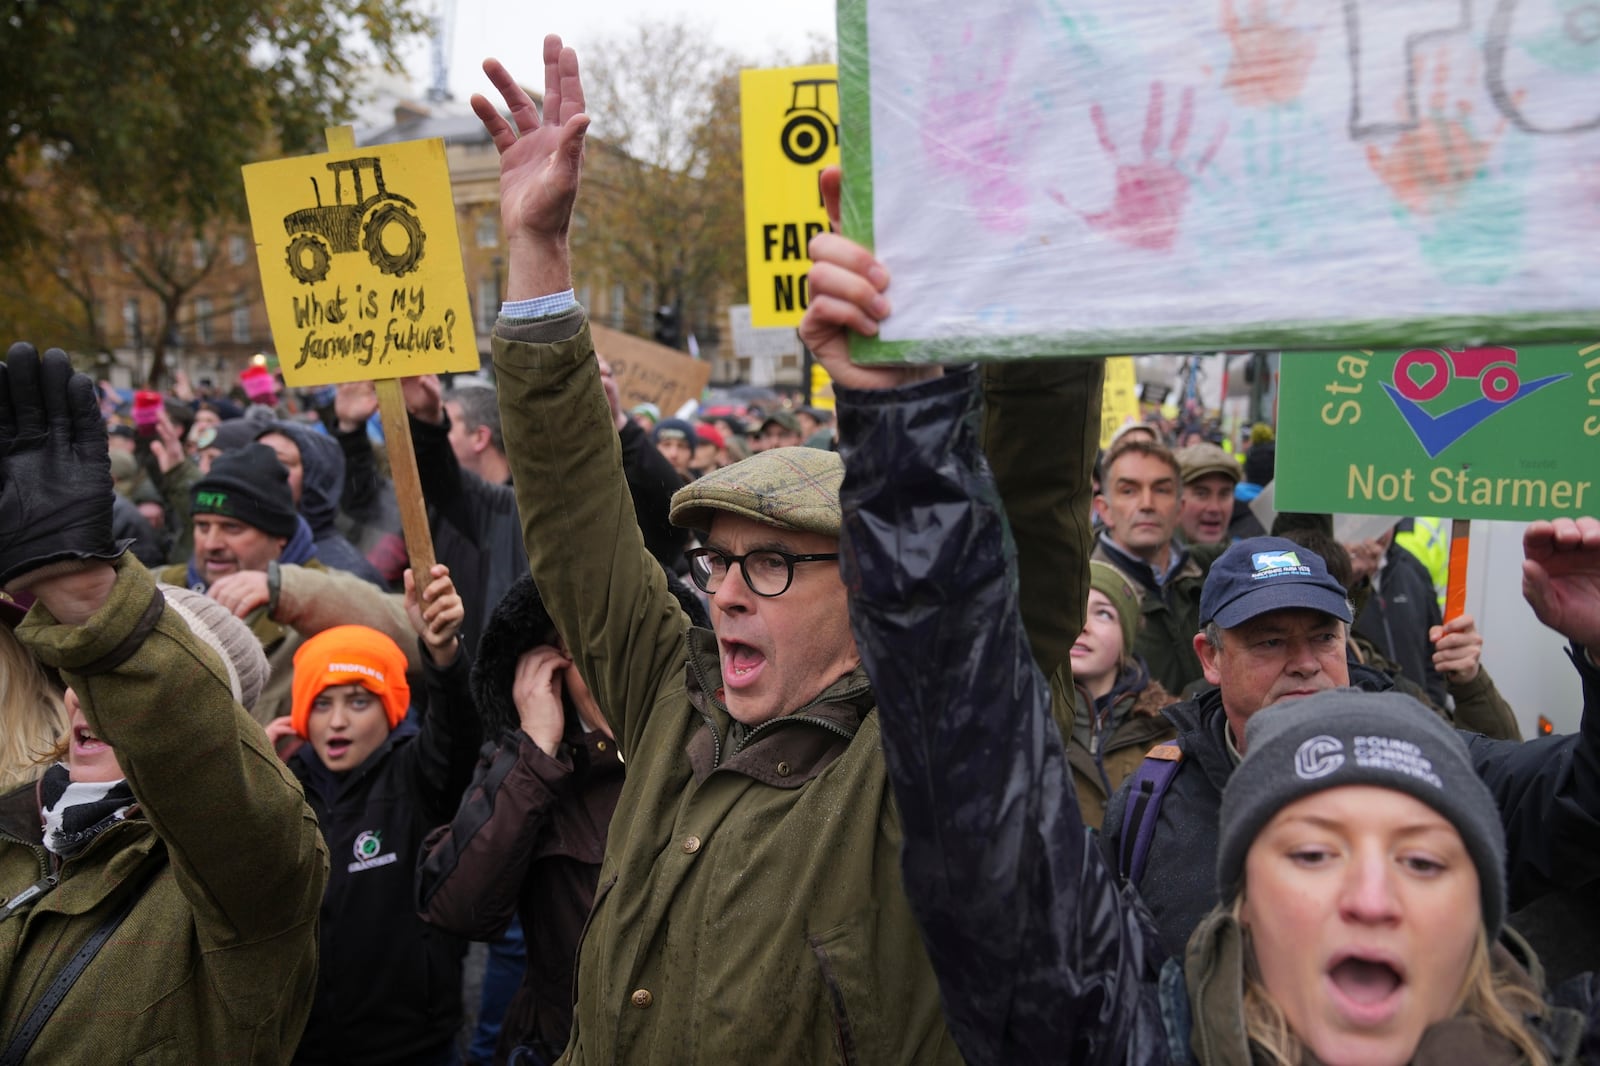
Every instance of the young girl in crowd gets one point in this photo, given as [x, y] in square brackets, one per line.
[1117, 705]
[388, 985]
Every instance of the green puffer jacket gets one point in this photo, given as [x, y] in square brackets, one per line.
[216, 961]
[750, 907]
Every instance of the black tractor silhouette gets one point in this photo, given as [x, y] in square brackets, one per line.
[808, 129]
[364, 216]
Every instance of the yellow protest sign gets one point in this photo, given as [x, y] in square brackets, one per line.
[1119, 398]
[361, 264]
[789, 127]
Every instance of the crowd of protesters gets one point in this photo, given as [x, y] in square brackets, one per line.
[999, 747]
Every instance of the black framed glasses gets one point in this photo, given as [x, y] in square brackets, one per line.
[768, 572]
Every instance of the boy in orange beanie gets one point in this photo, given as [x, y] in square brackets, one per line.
[388, 986]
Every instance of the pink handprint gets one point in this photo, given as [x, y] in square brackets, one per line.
[971, 131]
[1151, 194]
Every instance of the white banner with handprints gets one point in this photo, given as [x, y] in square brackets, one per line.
[1099, 176]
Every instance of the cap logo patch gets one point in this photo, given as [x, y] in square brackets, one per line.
[1277, 564]
[1318, 757]
[1396, 757]
[215, 500]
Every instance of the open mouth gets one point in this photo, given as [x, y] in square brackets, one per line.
[337, 748]
[1367, 987]
[741, 664]
[85, 740]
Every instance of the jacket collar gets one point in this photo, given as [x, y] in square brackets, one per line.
[1141, 572]
[786, 752]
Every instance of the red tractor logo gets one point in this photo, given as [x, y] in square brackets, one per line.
[1495, 369]
[364, 216]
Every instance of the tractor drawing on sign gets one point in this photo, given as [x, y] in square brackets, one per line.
[809, 130]
[1495, 369]
[364, 216]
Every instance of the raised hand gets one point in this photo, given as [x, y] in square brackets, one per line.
[1561, 577]
[354, 402]
[1457, 649]
[540, 163]
[167, 446]
[55, 469]
[436, 614]
[424, 398]
[848, 294]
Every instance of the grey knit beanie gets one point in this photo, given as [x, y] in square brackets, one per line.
[230, 638]
[1349, 737]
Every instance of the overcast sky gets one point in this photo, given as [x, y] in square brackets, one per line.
[511, 30]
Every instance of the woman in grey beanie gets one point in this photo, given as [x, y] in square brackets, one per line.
[1364, 861]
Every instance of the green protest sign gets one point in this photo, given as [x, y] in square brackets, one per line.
[1500, 432]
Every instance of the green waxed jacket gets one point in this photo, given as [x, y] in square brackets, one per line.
[216, 961]
[749, 907]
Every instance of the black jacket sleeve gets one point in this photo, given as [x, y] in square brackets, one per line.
[1039, 957]
[446, 749]
[1548, 792]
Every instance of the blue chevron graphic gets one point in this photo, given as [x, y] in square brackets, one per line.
[1437, 432]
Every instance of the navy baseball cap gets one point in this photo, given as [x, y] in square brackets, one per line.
[1264, 574]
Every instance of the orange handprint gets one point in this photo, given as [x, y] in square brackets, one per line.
[1432, 163]
[1270, 59]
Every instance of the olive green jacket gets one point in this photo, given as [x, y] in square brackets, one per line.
[313, 597]
[749, 907]
[216, 961]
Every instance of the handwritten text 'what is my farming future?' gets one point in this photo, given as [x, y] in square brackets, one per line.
[382, 325]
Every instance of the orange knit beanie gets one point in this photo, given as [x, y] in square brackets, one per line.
[344, 655]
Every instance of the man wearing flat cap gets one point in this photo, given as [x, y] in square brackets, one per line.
[255, 555]
[750, 906]
[1209, 477]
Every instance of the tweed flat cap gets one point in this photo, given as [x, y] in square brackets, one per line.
[787, 488]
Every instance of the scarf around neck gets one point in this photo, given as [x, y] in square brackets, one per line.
[75, 812]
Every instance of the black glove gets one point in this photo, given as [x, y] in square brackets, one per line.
[55, 467]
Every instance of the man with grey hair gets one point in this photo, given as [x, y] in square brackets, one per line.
[754, 858]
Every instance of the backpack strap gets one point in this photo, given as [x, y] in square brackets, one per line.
[1147, 788]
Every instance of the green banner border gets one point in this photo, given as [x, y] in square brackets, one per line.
[856, 211]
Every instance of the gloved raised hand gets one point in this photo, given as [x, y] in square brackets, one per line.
[55, 468]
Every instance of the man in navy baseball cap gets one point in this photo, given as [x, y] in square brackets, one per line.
[1273, 628]
[1267, 574]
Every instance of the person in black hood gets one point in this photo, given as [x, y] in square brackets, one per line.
[316, 477]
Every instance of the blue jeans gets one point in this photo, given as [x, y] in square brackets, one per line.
[508, 957]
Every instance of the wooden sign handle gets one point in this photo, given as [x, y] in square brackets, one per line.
[407, 485]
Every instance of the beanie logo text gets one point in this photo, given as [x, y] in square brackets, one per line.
[356, 668]
[211, 501]
[1396, 757]
[1318, 757]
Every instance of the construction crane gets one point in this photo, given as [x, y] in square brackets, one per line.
[444, 39]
